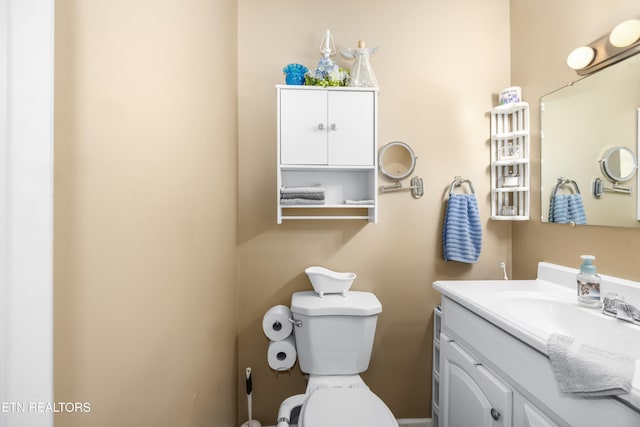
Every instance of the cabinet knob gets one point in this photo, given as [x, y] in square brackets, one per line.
[334, 126]
[320, 126]
[495, 414]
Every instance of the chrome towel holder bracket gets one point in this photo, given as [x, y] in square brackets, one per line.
[458, 181]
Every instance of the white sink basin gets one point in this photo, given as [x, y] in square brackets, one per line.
[544, 314]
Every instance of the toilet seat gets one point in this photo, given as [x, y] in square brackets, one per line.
[345, 407]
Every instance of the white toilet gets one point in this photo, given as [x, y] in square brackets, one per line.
[334, 336]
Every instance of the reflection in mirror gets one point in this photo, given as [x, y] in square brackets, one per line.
[579, 124]
[618, 164]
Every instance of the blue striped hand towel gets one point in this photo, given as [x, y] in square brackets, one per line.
[566, 208]
[462, 230]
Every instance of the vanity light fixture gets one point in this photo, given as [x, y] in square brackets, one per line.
[580, 57]
[625, 33]
[621, 43]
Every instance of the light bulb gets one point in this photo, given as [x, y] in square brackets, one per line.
[625, 33]
[580, 57]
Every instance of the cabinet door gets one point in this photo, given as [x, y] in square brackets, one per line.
[351, 125]
[470, 395]
[303, 127]
[533, 417]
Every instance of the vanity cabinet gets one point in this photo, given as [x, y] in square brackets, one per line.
[510, 163]
[472, 394]
[328, 137]
[485, 368]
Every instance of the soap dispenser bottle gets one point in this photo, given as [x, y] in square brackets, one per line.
[588, 283]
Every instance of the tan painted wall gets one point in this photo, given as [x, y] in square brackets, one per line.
[440, 65]
[145, 212]
[542, 34]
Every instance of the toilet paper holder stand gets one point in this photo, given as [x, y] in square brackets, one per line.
[296, 323]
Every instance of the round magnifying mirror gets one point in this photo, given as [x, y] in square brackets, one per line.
[396, 160]
[619, 164]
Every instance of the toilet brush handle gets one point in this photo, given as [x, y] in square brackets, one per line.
[249, 389]
[249, 385]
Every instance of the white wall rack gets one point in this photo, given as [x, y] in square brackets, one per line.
[510, 162]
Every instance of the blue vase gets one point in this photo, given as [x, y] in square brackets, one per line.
[294, 74]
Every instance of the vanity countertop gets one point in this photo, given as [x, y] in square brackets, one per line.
[531, 310]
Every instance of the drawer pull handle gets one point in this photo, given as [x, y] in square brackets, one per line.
[334, 126]
[495, 414]
[320, 126]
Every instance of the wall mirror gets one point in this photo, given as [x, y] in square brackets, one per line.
[593, 118]
[397, 161]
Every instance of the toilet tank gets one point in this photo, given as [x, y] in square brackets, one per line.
[334, 335]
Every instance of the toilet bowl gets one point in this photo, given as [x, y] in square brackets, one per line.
[334, 337]
[345, 407]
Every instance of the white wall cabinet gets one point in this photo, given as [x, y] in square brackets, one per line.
[328, 137]
[510, 165]
[482, 367]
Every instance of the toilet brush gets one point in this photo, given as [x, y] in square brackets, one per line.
[251, 422]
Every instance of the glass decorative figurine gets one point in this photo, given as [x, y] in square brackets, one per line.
[327, 73]
[362, 74]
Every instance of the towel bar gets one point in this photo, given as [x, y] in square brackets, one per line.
[458, 181]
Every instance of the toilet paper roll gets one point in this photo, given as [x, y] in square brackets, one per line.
[282, 355]
[275, 323]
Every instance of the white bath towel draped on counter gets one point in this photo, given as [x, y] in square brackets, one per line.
[462, 230]
[586, 370]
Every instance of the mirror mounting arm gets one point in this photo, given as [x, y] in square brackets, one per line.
[598, 188]
[416, 187]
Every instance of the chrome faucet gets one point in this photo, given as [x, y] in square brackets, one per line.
[614, 305]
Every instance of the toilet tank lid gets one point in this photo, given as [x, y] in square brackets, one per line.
[355, 303]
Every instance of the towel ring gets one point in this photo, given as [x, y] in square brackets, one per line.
[562, 182]
[458, 181]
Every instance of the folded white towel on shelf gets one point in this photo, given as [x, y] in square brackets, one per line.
[292, 202]
[308, 196]
[311, 189]
[587, 370]
[359, 202]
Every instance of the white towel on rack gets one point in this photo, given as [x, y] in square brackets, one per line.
[462, 230]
